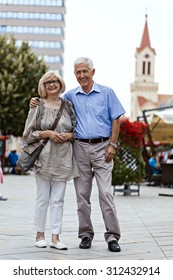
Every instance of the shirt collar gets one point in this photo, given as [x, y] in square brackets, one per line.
[95, 88]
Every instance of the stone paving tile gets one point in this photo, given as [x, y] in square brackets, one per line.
[165, 242]
[141, 256]
[146, 223]
[167, 248]
[169, 254]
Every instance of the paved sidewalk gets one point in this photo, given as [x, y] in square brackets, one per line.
[146, 224]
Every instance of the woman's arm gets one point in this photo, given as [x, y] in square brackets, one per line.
[30, 133]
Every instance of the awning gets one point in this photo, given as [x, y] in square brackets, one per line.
[161, 126]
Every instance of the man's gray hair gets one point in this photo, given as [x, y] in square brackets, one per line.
[84, 60]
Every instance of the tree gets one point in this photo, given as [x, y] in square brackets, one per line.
[20, 72]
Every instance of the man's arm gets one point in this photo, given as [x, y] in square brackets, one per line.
[111, 149]
[115, 131]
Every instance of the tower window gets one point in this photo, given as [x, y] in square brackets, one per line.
[143, 68]
[149, 68]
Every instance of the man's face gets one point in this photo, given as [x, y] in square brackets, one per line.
[84, 75]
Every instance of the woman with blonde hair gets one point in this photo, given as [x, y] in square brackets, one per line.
[56, 164]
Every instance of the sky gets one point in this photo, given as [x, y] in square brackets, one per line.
[109, 31]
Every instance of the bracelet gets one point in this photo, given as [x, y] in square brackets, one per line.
[113, 144]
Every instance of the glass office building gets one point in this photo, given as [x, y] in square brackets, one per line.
[41, 23]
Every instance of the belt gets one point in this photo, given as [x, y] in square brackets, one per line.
[93, 140]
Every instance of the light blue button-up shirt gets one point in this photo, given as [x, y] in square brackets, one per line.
[94, 111]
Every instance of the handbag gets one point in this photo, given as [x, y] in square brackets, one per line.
[31, 151]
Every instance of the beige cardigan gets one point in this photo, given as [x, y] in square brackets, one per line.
[56, 161]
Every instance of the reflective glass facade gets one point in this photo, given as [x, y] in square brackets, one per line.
[30, 29]
[41, 23]
[21, 15]
[59, 3]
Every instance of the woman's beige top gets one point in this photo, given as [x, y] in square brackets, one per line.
[56, 161]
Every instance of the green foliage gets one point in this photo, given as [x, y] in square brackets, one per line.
[20, 72]
[122, 173]
[129, 166]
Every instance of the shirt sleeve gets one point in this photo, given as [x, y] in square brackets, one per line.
[31, 134]
[115, 107]
[72, 115]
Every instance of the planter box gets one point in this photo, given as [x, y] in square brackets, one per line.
[127, 189]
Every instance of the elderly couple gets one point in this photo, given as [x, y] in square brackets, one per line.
[84, 140]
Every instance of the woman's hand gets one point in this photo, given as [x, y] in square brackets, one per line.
[55, 137]
[67, 136]
[60, 137]
[52, 135]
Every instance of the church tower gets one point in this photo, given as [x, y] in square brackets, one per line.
[144, 91]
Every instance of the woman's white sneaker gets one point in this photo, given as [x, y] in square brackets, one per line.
[41, 243]
[59, 245]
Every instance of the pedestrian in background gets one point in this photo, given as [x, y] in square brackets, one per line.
[170, 159]
[2, 198]
[13, 158]
[154, 163]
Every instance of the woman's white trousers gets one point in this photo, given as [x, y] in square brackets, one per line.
[49, 193]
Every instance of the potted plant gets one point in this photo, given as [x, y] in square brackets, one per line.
[129, 165]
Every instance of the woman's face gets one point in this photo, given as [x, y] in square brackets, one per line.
[53, 86]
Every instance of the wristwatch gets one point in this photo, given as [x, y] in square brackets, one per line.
[113, 144]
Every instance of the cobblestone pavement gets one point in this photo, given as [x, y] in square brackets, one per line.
[146, 224]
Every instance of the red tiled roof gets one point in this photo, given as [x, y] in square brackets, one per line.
[165, 99]
[141, 101]
[145, 42]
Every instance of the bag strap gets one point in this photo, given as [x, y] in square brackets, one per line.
[58, 115]
[56, 120]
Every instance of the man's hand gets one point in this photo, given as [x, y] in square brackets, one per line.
[110, 152]
[34, 101]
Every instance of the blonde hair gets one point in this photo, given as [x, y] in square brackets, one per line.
[48, 76]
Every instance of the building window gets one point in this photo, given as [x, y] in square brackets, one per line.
[143, 68]
[52, 59]
[3, 28]
[31, 29]
[31, 16]
[59, 3]
[42, 44]
[147, 56]
[149, 68]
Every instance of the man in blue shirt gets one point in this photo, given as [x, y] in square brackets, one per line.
[98, 112]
